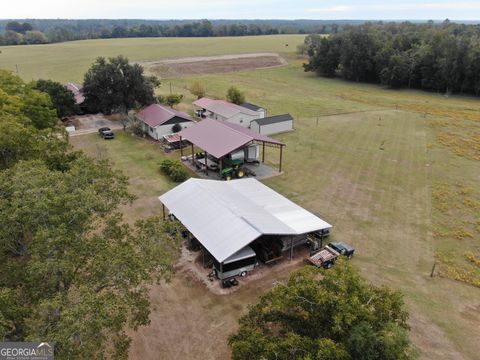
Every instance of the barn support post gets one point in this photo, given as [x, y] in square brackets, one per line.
[193, 156]
[206, 163]
[163, 212]
[181, 147]
[220, 163]
[221, 268]
[203, 256]
[281, 158]
[263, 152]
[291, 247]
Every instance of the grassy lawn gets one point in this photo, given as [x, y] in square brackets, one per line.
[382, 174]
[395, 172]
[68, 61]
[137, 158]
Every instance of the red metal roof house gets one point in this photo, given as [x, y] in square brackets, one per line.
[77, 91]
[159, 120]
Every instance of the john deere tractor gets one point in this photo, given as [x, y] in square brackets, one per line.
[233, 170]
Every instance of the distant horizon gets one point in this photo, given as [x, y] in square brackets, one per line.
[240, 19]
[369, 10]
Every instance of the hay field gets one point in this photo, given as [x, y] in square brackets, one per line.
[67, 62]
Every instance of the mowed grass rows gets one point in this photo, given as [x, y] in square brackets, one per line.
[68, 62]
[363, 158]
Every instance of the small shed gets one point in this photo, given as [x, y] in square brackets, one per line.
[158, 120]
[261, 110]
[272, 124]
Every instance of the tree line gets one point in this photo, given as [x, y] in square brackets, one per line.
[52, 31]
[436, 57]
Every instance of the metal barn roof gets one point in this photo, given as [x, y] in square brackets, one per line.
[77, 91]
[223, 107]
[273, 119]
[155, 115]
[226, 216]
[251, 106]
[220, 138]
[245, 253]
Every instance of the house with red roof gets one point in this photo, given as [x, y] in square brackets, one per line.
[159, 120]
[77, 91]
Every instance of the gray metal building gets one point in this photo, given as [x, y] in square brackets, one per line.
[272, 124]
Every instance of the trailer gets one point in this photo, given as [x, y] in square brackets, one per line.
[239, 264]
[324, 258]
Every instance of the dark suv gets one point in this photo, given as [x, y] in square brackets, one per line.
[106, 133]
[342, 249]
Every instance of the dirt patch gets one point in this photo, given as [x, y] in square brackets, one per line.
[88, 124]
[192, 263]
[188, 321]
[213, 64]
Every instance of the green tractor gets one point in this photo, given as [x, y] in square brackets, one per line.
[233, 170]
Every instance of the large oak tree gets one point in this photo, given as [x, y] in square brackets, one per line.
[325, 315]
[115, 85]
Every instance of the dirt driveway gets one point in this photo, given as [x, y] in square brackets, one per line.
[213, 64]
[87, 124]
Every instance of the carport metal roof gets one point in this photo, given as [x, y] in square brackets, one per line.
[226, 216]
[221, 138]
[223, 107]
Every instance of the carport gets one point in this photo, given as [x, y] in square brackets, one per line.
[226, 217]
[220, 139]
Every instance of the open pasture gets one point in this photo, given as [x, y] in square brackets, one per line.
[67, 62]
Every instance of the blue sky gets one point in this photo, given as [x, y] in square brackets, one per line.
[242, 9]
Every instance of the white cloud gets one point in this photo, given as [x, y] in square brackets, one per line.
[428, 6]
[339, 8]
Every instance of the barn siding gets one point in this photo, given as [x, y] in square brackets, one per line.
[276, 128]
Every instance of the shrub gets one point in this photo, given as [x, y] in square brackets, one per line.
[174, 170]
[137, 129]
[170, 100]
[235, 96]
[176, 128]
[198, 89]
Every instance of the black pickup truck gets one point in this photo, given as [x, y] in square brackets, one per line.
[343, 249]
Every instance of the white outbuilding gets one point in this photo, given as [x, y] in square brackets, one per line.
[273, 124]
